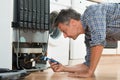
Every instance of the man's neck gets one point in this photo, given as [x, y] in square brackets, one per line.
[81, 29]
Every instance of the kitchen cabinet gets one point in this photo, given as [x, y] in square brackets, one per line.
[118, 48]
[109, 51]
[77, 48]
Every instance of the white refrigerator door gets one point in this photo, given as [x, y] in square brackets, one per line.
[6, 14]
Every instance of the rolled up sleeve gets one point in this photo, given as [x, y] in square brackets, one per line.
[96, 22]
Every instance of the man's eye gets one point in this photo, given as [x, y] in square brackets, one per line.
[63, 31]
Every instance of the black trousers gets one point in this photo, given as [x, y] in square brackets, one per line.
[113, 33]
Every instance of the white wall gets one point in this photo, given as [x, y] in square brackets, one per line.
[118, 49]
[5, 33]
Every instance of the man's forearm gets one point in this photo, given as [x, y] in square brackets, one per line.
[96, 52]
[79, 67]
[70, 69]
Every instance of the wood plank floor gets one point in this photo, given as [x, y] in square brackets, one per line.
[108, 69]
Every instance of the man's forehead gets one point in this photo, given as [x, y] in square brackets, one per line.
[62, 26]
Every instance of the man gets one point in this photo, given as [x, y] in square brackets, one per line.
[99, 23]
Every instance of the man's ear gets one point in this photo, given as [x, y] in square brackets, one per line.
[72, 22]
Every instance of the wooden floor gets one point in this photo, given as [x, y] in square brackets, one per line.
[108, 69]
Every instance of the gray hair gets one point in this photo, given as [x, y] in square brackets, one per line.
[65, 15]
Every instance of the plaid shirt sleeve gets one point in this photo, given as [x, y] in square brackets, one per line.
[95, 18]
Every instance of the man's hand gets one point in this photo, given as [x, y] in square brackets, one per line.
[56, 67]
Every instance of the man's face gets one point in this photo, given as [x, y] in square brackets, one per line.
[69, 30]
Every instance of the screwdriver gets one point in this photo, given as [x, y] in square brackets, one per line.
[50, 59]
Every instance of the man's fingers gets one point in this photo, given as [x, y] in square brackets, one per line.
[53, 63]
